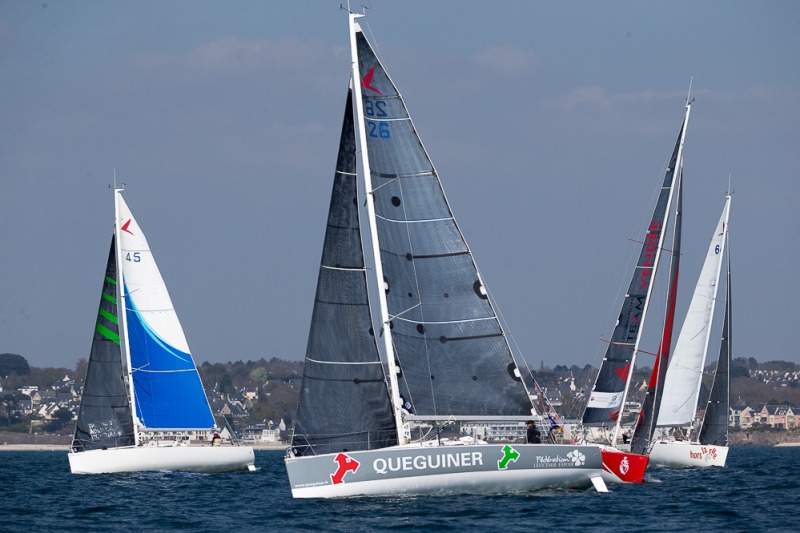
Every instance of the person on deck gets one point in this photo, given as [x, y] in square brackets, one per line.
[532, 436]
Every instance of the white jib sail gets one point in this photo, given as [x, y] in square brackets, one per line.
[685, 370]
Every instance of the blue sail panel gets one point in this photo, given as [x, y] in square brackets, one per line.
[167, 388]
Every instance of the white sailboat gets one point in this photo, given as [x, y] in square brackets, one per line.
[141, 381]
[686, 445]
[363, 428]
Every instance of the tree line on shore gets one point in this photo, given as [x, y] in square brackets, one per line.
[268, 389]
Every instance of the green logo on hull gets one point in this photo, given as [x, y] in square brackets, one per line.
[510, 455]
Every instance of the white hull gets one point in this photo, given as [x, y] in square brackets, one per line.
[200, 459]
[682, 453]
[474, 469]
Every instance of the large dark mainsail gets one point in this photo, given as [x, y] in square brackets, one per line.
[646, 424]
[449, 346]
[344, 401]
[606, 399]
[104, 418]
[714, 430]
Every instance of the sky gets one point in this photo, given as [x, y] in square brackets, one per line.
[550, 124]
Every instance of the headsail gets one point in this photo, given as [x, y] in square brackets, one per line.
[714, 430]
[167, 390]
[104, 418]
[452, 353]
[685, 372]
[606, 400]
[344, 402]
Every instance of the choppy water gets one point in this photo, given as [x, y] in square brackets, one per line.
[758, 491]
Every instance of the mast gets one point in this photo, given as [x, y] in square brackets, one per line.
[121, 306]
[385, 329]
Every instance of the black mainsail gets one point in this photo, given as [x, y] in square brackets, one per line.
[104, 417]
[344, 401]
[447, 344]
[646, 423]
[606, 401]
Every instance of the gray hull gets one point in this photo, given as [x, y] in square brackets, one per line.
[487, 468]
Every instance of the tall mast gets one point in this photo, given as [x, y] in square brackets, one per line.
[385, 329]
[678, 170]
[123, 317]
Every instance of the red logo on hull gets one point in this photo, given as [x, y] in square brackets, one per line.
[346, 464]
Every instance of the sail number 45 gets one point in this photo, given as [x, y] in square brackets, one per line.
[135, 257]
[377, 108]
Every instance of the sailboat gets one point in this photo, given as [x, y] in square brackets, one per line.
[605, 406]
[142, 397]
[678, 406]
[370, 420]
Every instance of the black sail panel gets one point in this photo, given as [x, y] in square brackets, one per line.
[104, 418]
[605, 401]
[449, 344]
[714, 430]
[344, 400]
[646, 424]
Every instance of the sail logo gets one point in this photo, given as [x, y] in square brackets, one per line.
[510, 455]
[346, 464]
[366, 81]
[651, 245]
[125, 226]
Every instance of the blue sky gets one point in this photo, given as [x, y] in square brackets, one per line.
[549, 123]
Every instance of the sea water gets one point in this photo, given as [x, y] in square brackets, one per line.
[758, 491]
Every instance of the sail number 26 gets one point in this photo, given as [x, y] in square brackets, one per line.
[377, 108]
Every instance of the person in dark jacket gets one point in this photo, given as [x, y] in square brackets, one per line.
[532, 436]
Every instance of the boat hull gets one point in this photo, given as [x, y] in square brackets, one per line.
[200, 459]
[681, 453]
[471, 469]
[622, 466]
